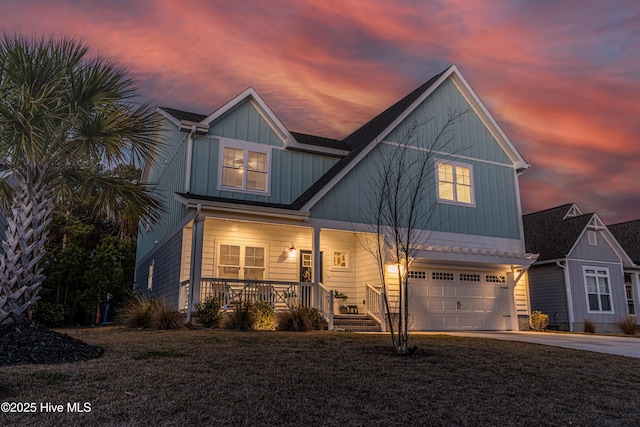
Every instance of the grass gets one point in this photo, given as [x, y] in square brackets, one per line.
[222, 377]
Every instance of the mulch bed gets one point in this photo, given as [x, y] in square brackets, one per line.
[29, 342]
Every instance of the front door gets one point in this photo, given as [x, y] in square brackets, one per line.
[306, 266]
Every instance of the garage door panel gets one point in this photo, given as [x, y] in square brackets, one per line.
[460, 304]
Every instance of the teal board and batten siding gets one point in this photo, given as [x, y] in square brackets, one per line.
[467, 140]
[166, 271]
[495, 213]
[291, 173]
[245, 123]
[167, 176]
[547, 293]
[465, 136]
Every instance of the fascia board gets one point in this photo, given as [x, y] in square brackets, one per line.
[168, 116]
[240, 209]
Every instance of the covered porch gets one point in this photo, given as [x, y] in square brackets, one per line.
[285, 263]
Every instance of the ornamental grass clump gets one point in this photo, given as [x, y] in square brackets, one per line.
[628, 325]
[141, 312]
[209, 312]
[588, 326]
[538, 320]
[301, 319]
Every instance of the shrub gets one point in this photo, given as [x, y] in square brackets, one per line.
[238, 318]
[141, 312]
[628, 325]
[301, 319]
[49, 313]
[261, 316]
[538, 320]
[252, 316]
[209, 313]
[588, 326]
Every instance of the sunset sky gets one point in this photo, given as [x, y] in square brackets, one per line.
[562, 78]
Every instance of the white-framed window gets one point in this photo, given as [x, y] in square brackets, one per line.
[241, 262]
[592, 236]
[340, 260]
[455, 183]
[244, 167]
[596, 281]
[628, 286]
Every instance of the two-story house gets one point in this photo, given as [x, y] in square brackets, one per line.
[255, 211]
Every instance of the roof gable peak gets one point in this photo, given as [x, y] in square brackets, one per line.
[573, 211]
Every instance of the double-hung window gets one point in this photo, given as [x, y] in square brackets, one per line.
[598, 290]
[244, 167]
[241, 262]
[455, 183]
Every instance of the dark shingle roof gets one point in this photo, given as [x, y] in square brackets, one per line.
[547, 234]
[319, 141]
[184, 115]
[628, 235]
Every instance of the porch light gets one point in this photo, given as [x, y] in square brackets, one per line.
[291, 247]
[393, 269]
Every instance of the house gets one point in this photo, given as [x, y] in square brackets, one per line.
[579, 274]
[258, 212]
[628, 235]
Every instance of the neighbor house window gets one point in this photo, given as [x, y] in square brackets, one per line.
[244, 167]
[598, 290]
[628, 286]
[241, 262]
[455, 183]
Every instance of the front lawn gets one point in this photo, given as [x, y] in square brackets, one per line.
[213, 377]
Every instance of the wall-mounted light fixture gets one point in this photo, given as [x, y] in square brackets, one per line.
[291, 248]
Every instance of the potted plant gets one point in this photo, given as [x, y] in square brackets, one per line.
[339, 302]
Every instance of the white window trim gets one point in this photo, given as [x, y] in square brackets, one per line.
[246, 146]
[242, 265]
[593, 239]
[586, 290]
[473, 186]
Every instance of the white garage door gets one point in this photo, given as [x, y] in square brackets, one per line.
[458, 300]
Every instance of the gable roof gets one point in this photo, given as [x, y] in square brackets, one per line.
[628, 235]
[551, 233]
[358, 144]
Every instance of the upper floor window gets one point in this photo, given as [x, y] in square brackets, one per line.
[598, 290]
[245, 167]
[455, 183]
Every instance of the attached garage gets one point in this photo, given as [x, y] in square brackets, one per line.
[441, 300]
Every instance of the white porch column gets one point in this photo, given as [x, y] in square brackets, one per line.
[513, 313]
[317, 260]
[195, 270]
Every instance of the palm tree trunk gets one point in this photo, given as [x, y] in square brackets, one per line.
[27, 232]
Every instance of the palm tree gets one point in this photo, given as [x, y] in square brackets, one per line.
[61, 112]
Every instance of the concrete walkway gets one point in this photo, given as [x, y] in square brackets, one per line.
[621, 346]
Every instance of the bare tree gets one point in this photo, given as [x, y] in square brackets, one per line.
[401, 209]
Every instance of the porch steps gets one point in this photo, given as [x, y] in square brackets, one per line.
[355, 323]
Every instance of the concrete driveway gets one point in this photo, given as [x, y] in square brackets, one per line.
[621, 346]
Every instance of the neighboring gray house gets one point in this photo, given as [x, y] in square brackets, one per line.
[579, 273]
[628, 235]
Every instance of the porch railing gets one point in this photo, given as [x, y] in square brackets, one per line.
[375, 305]
[235, 292]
